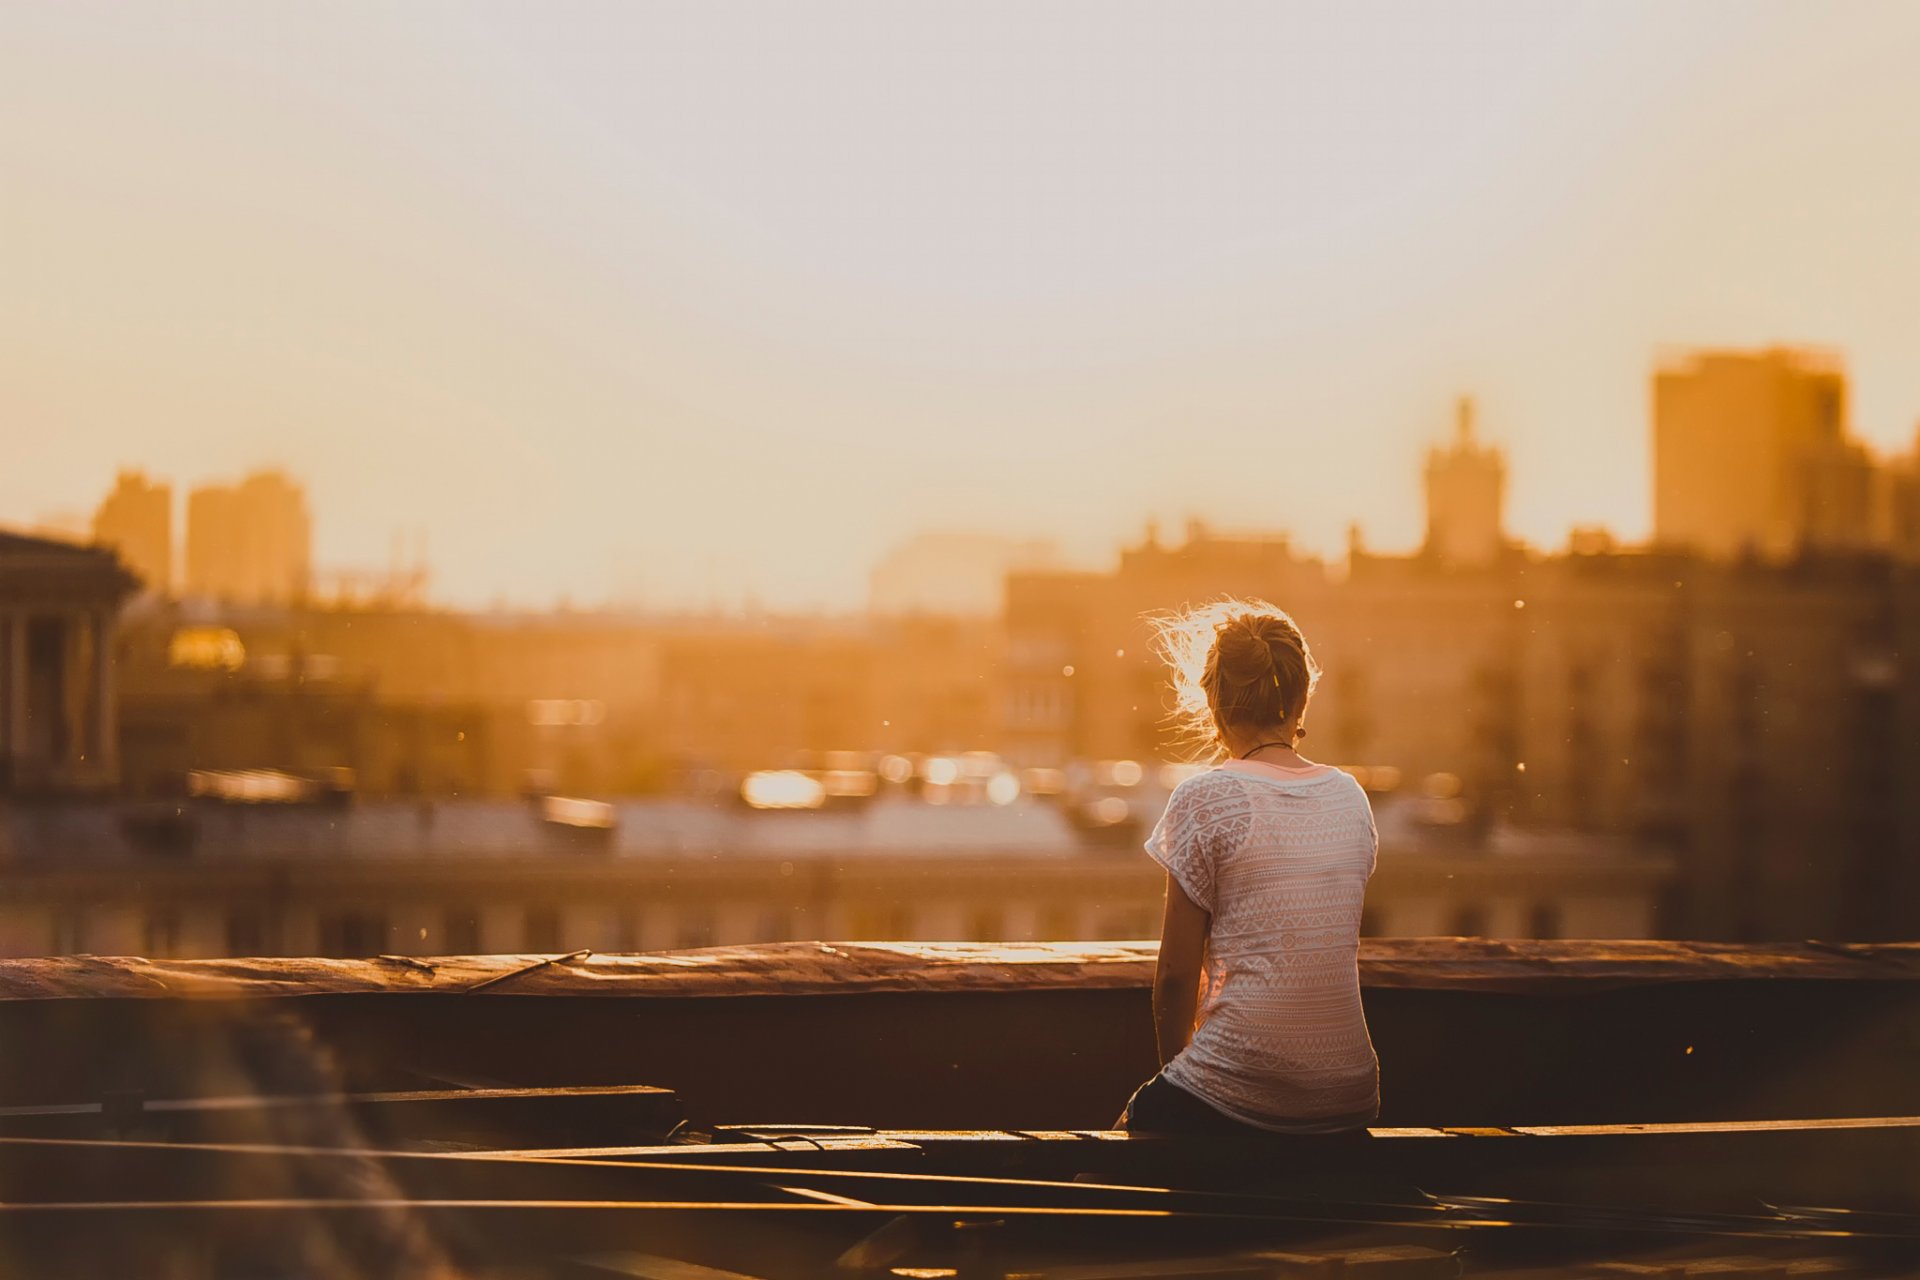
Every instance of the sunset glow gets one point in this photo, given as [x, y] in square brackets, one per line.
[712, 305]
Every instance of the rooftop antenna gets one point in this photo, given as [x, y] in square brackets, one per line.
[1463, 420]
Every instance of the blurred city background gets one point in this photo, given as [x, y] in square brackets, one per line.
[441, 475]
[214, 749]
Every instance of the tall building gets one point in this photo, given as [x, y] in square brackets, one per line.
[136, 520]
[1466, 485]
[250, 542]
[1751, 455]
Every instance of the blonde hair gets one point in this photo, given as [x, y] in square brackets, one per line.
[1233, 662]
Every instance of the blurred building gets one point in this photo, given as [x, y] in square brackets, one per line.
[405, 701]
[1843, 499]
[1754, 719]
[935, 682]
[1081, 680]
[58, 606]
[1752, 457]
[1901, 486]
[1748, 717]
[419, 701]
[249, 543]
[1424, 679]
[1466, 490]
[202, 705]
[267, 878]
[1419, 669]
[959, 574]
[136, 520]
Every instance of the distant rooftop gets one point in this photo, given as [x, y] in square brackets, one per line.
[1810, 359]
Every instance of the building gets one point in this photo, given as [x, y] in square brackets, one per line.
[251, 542]
[1466, 489]
[410, 701]
[1080, 679]
[1843, 499]
[58, 608]
[136, 520]
[1901, 489]
[959, 574]
[1418, 662]
[1751, 455]
[1416, 653]
[265, 877]
[499, 704]
[1748, 719]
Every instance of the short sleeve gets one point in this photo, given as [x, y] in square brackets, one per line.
[1373, 833]
[1178, 843]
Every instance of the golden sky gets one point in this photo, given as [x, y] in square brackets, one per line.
[710, 300]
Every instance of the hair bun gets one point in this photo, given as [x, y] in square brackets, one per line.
[1244, 654]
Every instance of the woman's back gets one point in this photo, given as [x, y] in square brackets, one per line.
[1279, 858]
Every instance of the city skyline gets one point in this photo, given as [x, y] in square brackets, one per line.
[1842, 495]
[701, 309]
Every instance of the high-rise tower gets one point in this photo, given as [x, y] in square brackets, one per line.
[1751, 455]
[249, 542]
[136, 520]
[1466, 485]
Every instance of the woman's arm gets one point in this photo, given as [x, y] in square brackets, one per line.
[1176, 981]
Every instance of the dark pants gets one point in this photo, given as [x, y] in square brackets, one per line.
[1160, 1106]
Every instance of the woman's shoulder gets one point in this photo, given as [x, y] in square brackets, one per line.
[1210, 783]
[1221, 788]
[1197, 789]
[1236, 775]
[1203, 779]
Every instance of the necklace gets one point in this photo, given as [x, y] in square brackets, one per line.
[1249, 754]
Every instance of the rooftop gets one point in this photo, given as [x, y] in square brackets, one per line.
[934, 1110]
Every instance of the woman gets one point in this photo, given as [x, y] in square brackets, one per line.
[1267, 859]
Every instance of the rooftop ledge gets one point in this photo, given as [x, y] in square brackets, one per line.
[847, 968]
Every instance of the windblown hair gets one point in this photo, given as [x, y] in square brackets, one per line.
[1241, 663]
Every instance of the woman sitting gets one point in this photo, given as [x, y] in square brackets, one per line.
[1256, 1001]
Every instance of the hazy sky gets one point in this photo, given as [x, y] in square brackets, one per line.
[711, 299]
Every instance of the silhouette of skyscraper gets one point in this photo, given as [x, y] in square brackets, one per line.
[136, 520]
[1751, 455]
[249, 543]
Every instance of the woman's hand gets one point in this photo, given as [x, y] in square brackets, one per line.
[1176, 980]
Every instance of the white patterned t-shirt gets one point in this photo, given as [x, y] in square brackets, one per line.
[1280, 860]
